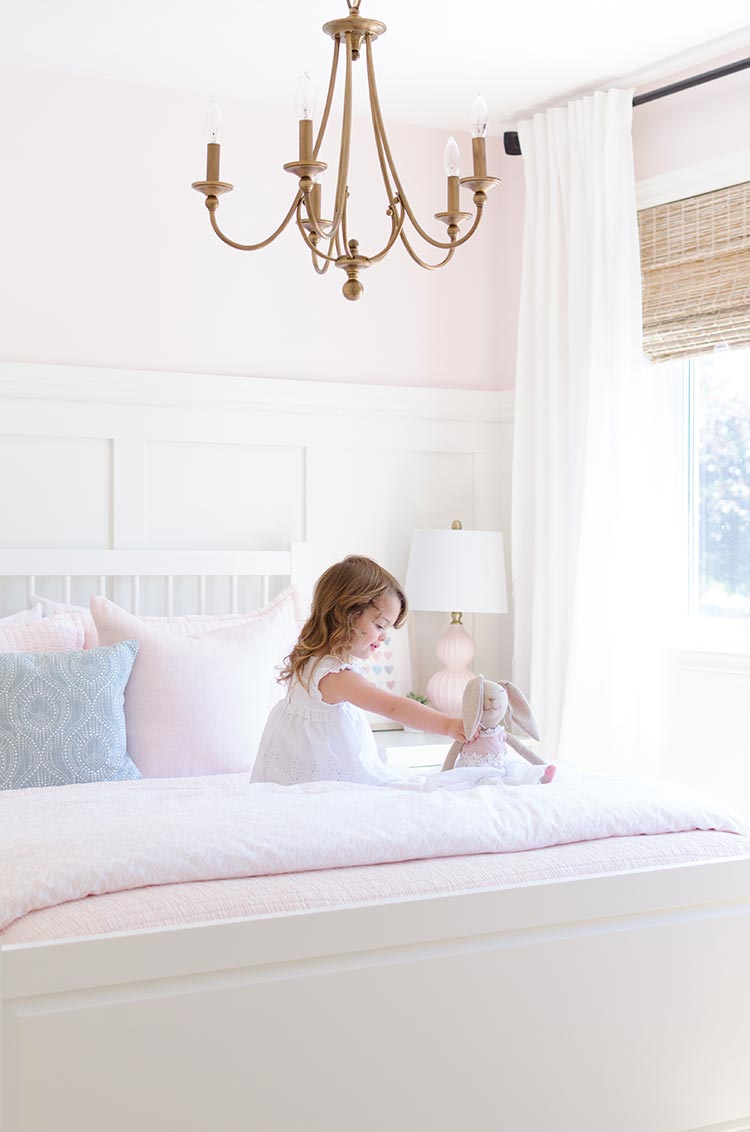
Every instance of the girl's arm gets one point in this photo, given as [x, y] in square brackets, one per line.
[347, 685]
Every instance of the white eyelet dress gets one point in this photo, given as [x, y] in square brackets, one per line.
[308, 740]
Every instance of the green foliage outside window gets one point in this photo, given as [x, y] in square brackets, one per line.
[722, 436]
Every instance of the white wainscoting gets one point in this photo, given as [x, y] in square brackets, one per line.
[111, 458]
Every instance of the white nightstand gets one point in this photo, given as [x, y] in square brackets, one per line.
[416, 750]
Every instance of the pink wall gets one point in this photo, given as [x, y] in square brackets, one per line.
[109, 259]
[112, 261]
[695, 125]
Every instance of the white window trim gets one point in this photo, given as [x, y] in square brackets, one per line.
[694, 636]
[692, 180]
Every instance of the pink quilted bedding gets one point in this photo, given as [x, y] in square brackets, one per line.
[168, 905]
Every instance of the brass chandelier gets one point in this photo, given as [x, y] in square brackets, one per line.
[328, 240]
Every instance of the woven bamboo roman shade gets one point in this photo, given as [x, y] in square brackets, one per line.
[695, 259]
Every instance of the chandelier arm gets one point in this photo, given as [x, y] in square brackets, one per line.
[397, 224]
[344, 232]
[263, 243]
[346, 138]
[421, 262]
[375, 106]
[329, 260]
[316, 251]
[329, 98]
[378, 140]
[474, 225]
[321, 232]
[325, 233]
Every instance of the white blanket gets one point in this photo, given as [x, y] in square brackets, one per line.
[66, 842]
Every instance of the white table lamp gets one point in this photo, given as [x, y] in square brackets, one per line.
[454, 571]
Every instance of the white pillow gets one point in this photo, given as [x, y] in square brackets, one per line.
[24, 615]
[198, 704]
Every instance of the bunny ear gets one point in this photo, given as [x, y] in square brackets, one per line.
[472, 705]
[519, 711]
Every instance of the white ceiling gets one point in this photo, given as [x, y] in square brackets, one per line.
[435, 57]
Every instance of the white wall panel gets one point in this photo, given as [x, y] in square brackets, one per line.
[229, 496]
[369, 500]
[55, 491]
[162, 460]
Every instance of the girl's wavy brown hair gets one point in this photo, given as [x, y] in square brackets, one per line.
[341, 594]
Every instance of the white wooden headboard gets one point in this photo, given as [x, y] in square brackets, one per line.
[93, 457]
[98, 569]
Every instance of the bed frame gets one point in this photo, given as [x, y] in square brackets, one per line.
[609, 1004]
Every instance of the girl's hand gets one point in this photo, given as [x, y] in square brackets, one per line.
[456, 730]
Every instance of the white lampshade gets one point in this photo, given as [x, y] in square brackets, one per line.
[457, 570]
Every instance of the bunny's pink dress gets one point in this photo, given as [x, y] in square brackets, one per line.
[489, 750]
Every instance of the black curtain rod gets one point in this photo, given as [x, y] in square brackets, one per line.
[513, 145]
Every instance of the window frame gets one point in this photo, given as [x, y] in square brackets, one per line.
[729, 635]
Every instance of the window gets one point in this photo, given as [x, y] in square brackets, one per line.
[718, 494]
[695, 260]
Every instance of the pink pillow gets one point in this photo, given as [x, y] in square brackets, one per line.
[50, 634]
[194, 624]
[77, 613]
[197, 704]
[187, 625]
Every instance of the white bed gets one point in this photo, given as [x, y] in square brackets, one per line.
[591, 987]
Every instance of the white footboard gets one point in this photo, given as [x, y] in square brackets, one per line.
[615, 1004]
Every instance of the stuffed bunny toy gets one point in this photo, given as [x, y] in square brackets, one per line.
[489, 710]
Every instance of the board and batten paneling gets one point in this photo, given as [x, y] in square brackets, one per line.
[94, 457]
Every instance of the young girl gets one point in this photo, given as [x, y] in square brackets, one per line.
[319, 732]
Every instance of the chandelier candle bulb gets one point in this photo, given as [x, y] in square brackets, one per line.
[304, 99]
[478, 119]
[451, 158]
[214, 123]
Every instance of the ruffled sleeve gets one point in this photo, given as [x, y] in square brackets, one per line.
[323, 667]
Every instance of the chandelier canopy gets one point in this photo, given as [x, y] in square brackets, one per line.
[328, 240]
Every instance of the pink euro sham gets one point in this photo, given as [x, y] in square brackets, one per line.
[49, 634]
[197, 704]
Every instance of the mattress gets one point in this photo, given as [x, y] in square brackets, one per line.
[168, 905]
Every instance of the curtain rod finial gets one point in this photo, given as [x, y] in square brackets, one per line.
[512, 143]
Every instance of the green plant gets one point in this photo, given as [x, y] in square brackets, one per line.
[418, 697]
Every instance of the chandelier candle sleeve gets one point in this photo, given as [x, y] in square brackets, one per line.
[305, 105]
[213, 147]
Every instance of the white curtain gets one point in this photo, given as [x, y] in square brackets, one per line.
[579, 530]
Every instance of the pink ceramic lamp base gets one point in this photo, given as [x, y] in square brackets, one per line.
[446, 688]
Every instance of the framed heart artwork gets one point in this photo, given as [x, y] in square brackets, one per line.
[392, 668]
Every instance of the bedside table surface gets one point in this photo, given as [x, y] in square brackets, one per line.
[415, 749]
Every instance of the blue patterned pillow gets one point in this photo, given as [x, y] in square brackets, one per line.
[62, 717]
